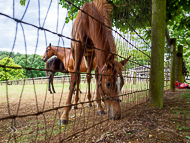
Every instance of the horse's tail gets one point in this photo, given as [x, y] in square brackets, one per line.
[47, 67]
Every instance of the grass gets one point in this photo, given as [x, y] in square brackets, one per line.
[28, 92]
[29, 133]
[186, 95]
[184, 112]
[135, 97]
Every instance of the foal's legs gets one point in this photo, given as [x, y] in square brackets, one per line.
[49, 88]
[75, 77]
[99, 106]
[52, 75]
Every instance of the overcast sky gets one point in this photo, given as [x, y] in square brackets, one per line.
[8, 26]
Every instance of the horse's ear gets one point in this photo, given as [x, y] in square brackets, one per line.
[49, 47]
[110, 58]
[125, 61]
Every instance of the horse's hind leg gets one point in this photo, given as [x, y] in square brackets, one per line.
[99, 106]
[89, 60]
[74, 79]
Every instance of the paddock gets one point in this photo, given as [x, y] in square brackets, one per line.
[38, 112]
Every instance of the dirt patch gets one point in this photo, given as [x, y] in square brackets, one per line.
[146, 124]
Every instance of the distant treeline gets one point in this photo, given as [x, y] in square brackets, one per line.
[34, 61]
[21, 60]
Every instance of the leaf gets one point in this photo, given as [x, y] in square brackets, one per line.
[128, 133]
[187, 137]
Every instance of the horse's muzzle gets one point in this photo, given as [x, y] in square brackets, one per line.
[114, 115]
[44, 59]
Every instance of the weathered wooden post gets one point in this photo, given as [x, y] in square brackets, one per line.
[173, 63]
[179, 63]
[157, 52]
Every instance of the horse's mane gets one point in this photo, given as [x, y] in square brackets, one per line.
[105, 9]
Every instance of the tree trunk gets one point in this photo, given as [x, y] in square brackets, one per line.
[157, 52]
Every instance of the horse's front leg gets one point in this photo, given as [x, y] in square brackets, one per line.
[89, 60]
[99, 106]
[64, 116]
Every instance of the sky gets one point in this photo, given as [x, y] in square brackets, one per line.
[8, 26]
[36, 45]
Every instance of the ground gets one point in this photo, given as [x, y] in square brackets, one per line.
[146, 124]
[139, 122]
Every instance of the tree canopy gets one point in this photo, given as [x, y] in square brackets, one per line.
[29, 61]
[10, 73]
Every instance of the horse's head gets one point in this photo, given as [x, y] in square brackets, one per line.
[110, 83]
[48, 53]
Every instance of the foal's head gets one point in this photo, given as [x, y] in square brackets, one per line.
[48, 53]
[110, 84]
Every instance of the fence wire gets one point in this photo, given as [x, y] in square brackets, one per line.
[29, 113]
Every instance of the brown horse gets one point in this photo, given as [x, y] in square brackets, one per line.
[64, 54]
[89, 33]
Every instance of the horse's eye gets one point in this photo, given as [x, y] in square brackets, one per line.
[108, 84]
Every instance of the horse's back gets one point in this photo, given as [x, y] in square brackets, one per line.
[54, 64]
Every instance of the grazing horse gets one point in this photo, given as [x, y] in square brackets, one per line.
[64, 54]
[53, 64]
[93, 39]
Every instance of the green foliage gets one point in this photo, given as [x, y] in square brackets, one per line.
[121, 15]
[10, 73]
[26, 61]
[22, 2]
[137, 56]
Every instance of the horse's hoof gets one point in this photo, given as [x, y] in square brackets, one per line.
[54, 92]
[80, 91]
[89, 104]
[101, 112]
[63, 122]
[50, 92]
[74, 107]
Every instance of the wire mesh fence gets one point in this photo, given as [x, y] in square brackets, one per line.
[29, 113]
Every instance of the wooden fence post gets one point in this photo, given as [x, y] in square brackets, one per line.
[179, 63]
[173, 63]
[157, 52]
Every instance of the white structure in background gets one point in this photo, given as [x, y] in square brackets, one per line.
[142, 73]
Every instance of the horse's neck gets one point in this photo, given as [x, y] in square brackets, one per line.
[61, 53]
